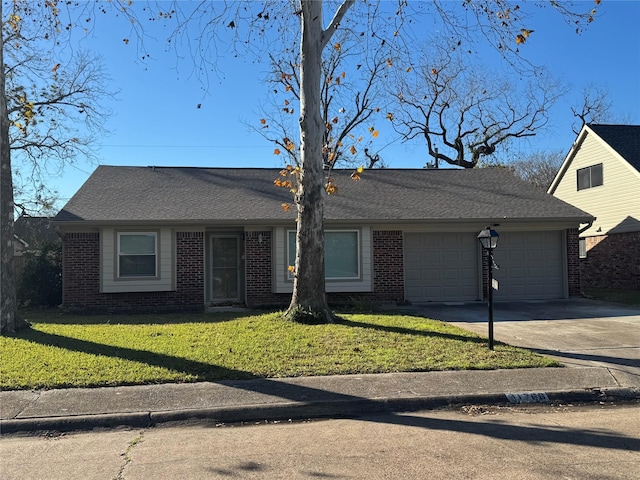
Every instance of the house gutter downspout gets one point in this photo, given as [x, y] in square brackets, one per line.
[587, 226]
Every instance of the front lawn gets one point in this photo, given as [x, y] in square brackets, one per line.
[81, 351]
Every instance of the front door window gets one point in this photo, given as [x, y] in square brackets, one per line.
[225, 260]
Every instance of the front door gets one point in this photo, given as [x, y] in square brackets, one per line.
[225, 268]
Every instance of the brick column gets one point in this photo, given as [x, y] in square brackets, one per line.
[258, 268]
[80, 269]
[573, 261]
[388, 265]
[189, 269]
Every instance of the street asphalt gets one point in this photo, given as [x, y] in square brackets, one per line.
[598, 344]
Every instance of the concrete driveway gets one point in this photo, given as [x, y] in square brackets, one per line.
[577, 332]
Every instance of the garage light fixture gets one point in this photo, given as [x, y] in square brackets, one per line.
[488, 238]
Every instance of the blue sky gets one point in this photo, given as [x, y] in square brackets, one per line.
[156, 120]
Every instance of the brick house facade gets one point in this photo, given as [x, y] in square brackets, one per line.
[81, 274]
[618, 254]
[81, 278]
[601, 175]
[388, 280]
[400, 236]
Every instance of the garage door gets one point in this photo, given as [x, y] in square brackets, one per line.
[441, 266]
[531, 266]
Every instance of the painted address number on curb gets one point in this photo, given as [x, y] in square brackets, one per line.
[536, 397]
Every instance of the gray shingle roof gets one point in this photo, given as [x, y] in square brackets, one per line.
[182, 194]
[624, 139]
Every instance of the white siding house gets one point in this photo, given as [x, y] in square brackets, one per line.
[601, 175]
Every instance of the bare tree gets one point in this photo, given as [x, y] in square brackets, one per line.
[539, 168]
[49, 113]
[595, 107]
[463, 111]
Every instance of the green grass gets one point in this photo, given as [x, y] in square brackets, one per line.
[627, 297]
[76, 351]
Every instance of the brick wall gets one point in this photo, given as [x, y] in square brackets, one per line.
[613, 261]
[81, 278]
[258, 249]
[388, 265]
[80, 269]
[573, 262]
[189, 270]
[388, 271]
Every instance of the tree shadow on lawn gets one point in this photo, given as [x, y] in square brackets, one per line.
[203, 371]
[300, 393]
[55, 317]
[470, 337]
[60, 318]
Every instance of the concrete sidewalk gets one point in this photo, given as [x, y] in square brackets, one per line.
[306, 397]
[598, 343]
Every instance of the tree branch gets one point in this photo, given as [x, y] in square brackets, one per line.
[335, 21]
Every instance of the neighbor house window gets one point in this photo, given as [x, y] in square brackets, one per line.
[582, 247]
[137, 254]
[590, 177]
[341, 253]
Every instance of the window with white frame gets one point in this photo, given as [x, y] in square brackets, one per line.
[341, 254]
[589, 177]
[137, 254]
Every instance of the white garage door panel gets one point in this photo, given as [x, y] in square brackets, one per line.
[441, 266]
[531, 266]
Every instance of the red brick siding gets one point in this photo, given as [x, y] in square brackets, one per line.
[573, 262]
[80, 268]
[258, 250]
[613, 261]
[81, 278]
[189, 269]
[388, 265]
[388, 271]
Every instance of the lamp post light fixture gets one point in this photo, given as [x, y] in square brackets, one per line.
[489, 240]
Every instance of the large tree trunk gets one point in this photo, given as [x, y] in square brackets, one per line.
[9, 320]
[309, 302]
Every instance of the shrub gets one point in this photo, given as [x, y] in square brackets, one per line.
[40, 278]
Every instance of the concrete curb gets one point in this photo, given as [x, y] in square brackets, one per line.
[75, 423]
[305, 410]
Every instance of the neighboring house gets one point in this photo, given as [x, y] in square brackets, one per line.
[145, 238]
[601, 175]
[32, 233]
[37, 248]
[20, 246]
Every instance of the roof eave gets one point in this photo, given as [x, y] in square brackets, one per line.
[277, 222]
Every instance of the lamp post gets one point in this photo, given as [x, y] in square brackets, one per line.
[489, 240]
